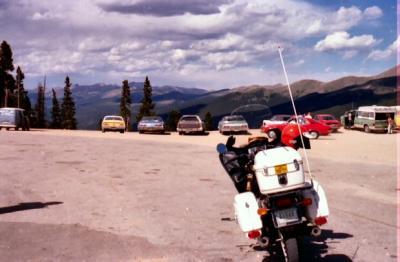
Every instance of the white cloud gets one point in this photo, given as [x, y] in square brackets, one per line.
[342, 40]
[238, 36]
[373, 12]
[44, 16]
[349, 54]
[385, 54]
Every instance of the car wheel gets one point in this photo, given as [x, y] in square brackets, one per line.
[122, 131]
[271, 134]
[314, 134]
[367, 129]
[103, 130]
[16, 128]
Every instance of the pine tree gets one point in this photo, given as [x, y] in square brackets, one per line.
[7, 82]
[173, 120]
[55, 112]
[146, 109]
[68, 107]
[125, 104]
[22, 99]
[208, 121]
[40, 113]
[20, 91]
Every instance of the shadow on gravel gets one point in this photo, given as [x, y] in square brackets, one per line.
[311, 249]
[27, 206]
[156, 133]
[197, 134]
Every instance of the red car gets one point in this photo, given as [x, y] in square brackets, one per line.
[313, 127]
[329, 120]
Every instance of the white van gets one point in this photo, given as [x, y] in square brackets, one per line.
[373, 118]
[13, 118]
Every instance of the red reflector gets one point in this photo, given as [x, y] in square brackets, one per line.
[284, 202]
[320, 221]
[307, 202]
[254, 234]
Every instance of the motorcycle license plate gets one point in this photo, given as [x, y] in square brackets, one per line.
[286, 216]
[281, 169]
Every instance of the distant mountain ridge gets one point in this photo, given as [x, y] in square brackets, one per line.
[95, 101]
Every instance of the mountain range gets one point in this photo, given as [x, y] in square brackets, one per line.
[255, 102]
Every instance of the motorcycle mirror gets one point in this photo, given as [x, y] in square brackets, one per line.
[221, 148]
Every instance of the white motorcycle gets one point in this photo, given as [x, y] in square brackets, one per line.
[276, 203]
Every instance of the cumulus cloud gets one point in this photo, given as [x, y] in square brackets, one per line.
[165, 8]
[389, 52]
[373, 12]
[342, 40]
[173, 39]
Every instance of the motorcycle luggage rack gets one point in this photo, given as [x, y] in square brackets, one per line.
[289, 191]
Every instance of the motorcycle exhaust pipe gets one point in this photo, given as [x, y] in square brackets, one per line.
[263, 242]
[316, 231]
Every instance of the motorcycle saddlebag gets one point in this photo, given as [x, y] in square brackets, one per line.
[232, 166]
[246, 207]
[319, 206]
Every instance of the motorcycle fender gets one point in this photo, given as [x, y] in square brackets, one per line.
[246, 207]
[319, 206]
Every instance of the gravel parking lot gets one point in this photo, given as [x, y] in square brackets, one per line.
[85, 195]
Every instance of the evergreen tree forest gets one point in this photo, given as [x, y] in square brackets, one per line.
[125, 104]
[147, 107]
[68, 107]
[12, 92]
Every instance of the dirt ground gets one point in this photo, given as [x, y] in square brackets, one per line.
[89, 196]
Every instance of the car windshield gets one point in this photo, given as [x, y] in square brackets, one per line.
[115, 118]
[189, 118]
[328, 118]
[280, 118]
[151, 119]
[233, 118]
[302, 121]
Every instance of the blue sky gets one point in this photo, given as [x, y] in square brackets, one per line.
[198, 43]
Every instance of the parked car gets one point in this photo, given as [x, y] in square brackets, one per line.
[329, 120]
[11, 117]
[373, 118]
[276, 119]
[313, 127]
[151, 124]
[233, 123]
[113, 123]
[190, 124]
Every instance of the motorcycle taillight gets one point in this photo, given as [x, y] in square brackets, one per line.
[254, 234]
[284, 202]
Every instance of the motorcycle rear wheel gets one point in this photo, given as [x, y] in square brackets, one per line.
[291, 250]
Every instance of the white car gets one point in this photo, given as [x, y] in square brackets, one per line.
[151, 124]
[233, 123]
